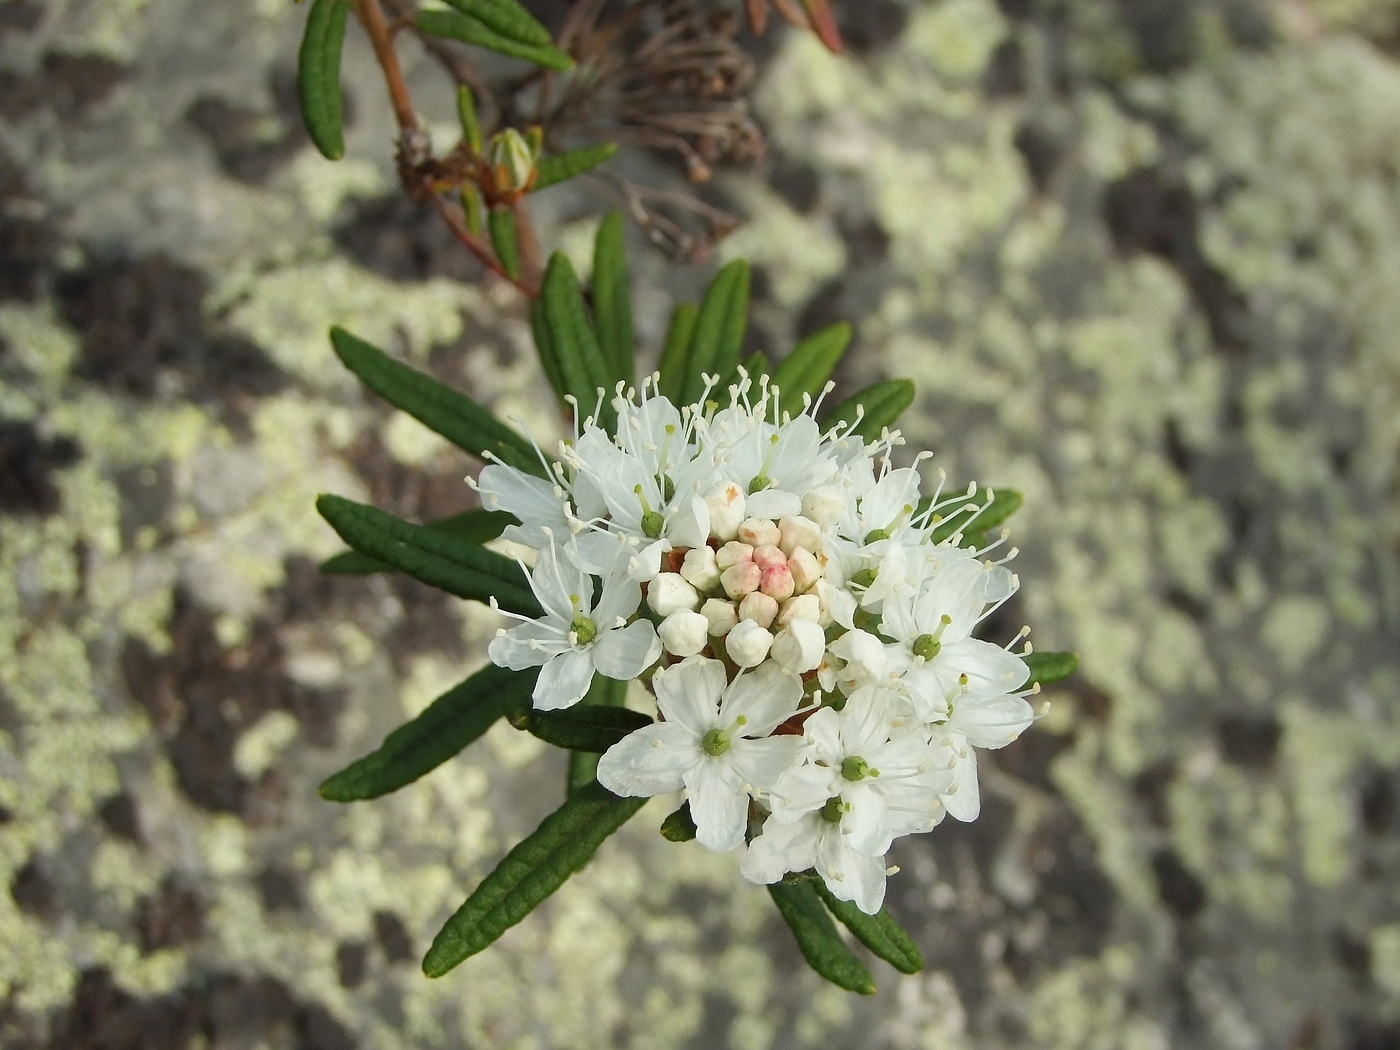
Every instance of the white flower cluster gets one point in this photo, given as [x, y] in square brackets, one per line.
[810, 647]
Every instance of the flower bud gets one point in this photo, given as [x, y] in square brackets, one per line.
[669, 592]
[759, 532]
[739, 580]
[777, 583]
[700, 569]
[799, 532]
[758, 607]
[726, 503]
[748, 644]
[733, 553]
[767, 557]
[805, 569]
[799, 647]
[684, 633]
[864, 655]
[512, 162]
[720, 616]
[824, 505]
[802, 607]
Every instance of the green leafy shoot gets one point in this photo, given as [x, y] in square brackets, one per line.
[501, 222]
[612, 302]
[878, 932]
[564, 166]
[1050, 667]
[453, 25]
[507, 18]
[675, 351]
[973, 515]
[877, 407]
[471, 526]
[588, 728]
[455, 416]
[463, 569]
[583, 368]
[466, 116]
[679, 825]
[809, 366]
[318, 76]
[802, 909]
[446, 726]
[719, 330]
[529, 873]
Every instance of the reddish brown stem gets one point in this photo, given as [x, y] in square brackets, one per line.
[528, 242]
[371, 16]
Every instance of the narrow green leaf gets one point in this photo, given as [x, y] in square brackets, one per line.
[455, 416]
[544, 346]
[878, 932]
[507, 18]
[441, 730]
[564, 166]
[883, 404]
[445, 562]
[501, 222]
[809, 366]
[1050, 667]
[472, 526]
[529, 873]
[466, 116]
[455, 26]
[816, 935]
[679, 826]
[973, 515]
[318, 75]
[470, 198]
[612, 302]
[581, 360]
[583, 765]
[675, 355]
[591, 729]
[719, 329]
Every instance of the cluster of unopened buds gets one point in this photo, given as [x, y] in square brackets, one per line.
[810, 647]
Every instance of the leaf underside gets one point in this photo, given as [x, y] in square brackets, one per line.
[878, 932]
[802, 909]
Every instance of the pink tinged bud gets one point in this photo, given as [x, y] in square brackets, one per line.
[759, 608]
[739, 580]
[803, 607]
[669, 592]
[700, 569]
[799, 647]
[767, 557]
[684, 633]
[748, 644]
[777, 583]
[805, 569]
[733, 553]
[799, 532]
[824, 505]
[759, 532]
[726, 504]
[720, 616]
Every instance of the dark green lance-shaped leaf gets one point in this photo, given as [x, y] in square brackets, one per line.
[878, 932]
[456, 26]
[584, 727]
[472, 526]
[973, 515]
[679, 825]
[544, 346]
[466, 116]
[675, 354]
[443, 728]
[564, 166]
[584, 368]
[464, 569]
[507, 18]
[809, 366]
[529, 873]
[822, 947]
[583, 765]
[318, 75]
[455, 416]
[881, 405]
[1050, 667]
[612, 302]
[501, 221]
[719, 329]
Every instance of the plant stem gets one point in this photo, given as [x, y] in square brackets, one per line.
[456, 222]
[371, 16]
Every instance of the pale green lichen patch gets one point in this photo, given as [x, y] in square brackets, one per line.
[798, 253]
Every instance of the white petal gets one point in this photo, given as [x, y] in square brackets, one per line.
[625, 652]
[964, 799]
[718, 803]
[563, 680]
[864, 824]
[989, 668]
[688, 693]
[759, 763]
[802, 790]
[780, 849]
[773, 504]
[993, 722]
[514, 648]
[650, 761]
[766, 696]
[620, 599]
[849, 875]
[823, 731]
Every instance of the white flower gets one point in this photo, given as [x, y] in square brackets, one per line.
[575, 637]
[798, 646]
[816, 840]
[714, 742]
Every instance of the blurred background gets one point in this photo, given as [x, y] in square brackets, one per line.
[1142, 260]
